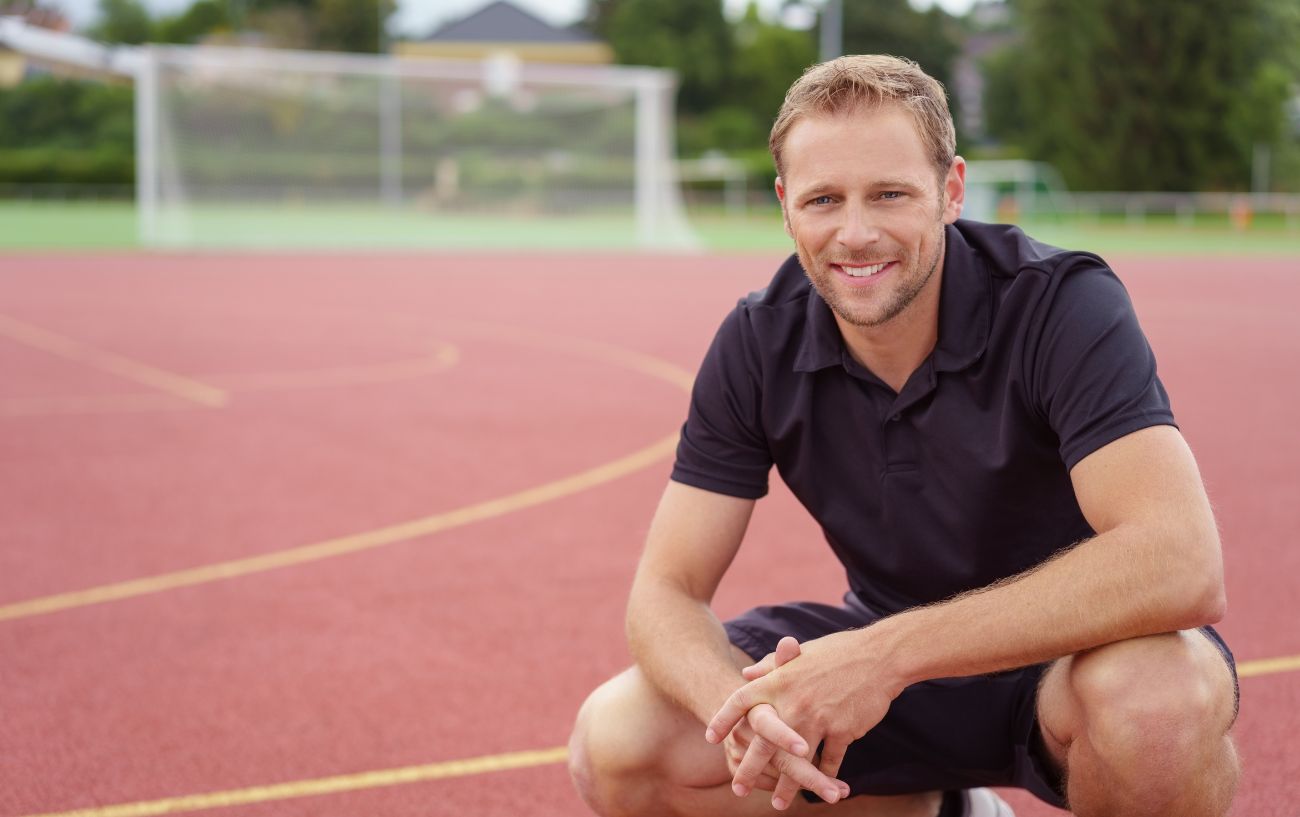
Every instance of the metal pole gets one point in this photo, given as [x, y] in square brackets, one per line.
[832, 30]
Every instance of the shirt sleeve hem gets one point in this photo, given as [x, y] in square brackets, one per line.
[740, 490]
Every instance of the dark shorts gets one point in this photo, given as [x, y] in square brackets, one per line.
[939, 735]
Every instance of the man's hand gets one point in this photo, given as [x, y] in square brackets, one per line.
[833, 695]
[739, 740]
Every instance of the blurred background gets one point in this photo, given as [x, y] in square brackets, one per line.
[1106, 122]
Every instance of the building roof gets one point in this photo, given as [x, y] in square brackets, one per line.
[505, 22]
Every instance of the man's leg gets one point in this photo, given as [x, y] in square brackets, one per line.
[633, 752]
[1140, 727]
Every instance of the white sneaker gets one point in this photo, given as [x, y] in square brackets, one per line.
[984, 803]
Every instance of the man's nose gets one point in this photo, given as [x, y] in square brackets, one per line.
[858, 230]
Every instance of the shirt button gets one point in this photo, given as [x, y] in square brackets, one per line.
[896, 417]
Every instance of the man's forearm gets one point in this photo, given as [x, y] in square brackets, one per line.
[1123, 584]
[681, 647]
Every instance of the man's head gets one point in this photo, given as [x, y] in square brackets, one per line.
[868, 179]
[870, 81]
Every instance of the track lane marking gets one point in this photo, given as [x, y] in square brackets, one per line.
[444, 356]
[1268, 666]
[433, 771]
[324, 785]
[61, 346]
[347, 544]
[424, 526]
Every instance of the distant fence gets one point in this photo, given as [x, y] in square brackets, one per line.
[736, 197]
[1184, 208]
[61, 192]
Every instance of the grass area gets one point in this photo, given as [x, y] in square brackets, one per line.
[44, 225]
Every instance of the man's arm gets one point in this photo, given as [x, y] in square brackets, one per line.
[673, 634]
[677, 641]
[1154, 566]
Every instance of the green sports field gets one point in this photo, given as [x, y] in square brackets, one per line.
[92, 226]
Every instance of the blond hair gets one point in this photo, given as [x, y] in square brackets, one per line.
[870, 81]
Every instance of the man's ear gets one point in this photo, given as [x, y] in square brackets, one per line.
[954, 190]
[785, 216]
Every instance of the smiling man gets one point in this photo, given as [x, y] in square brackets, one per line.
[975, 421]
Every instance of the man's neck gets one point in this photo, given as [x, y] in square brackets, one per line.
[895, 349]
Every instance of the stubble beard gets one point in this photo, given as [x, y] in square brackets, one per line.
[822, 278]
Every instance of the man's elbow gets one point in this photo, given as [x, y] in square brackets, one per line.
[1202, 592]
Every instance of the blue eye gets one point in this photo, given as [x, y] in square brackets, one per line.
[821, 200]
[891, 195]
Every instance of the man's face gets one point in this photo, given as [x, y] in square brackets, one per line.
[866, 211]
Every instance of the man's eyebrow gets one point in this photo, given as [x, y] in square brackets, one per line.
[905, 184]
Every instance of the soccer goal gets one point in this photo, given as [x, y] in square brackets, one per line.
[243, 147]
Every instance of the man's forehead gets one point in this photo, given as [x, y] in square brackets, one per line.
[881, 140]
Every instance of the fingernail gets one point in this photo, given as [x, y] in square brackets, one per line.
[710, 735]
[739, 789]
[799, 749]
[844, 789]
[779, 804]
[831, 795]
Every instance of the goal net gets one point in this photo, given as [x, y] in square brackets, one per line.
[281, 149]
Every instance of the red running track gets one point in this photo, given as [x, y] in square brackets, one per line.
[163, 414]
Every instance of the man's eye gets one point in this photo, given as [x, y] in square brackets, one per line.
[821, 200]
[891, 195]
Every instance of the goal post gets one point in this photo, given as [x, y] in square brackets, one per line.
[242, 147]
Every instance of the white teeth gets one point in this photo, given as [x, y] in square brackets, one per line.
[863, 272]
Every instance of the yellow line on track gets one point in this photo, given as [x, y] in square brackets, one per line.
[115, 364]
[1268, 666]
[645, 457]
[348, 544]
[323, 785]
[432, 771]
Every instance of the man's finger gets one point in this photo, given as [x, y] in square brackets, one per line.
[784, 793]
[755, 671]
[752, 766]
[833, 751]
[808, 776]
[787, 649]
[765, 722]
[738, 706]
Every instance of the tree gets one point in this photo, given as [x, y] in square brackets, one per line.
[196, 22]
[769, 58]
[690, 36]
[1158, 95]
[352, 25]
[123, 21]
[894, 27]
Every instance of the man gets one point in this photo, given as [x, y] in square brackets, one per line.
[975, 421]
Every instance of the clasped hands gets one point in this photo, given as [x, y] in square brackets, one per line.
[773, 726]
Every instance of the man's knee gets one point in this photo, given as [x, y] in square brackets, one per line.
[1150, 714]
[1164, 694]
[616, 750]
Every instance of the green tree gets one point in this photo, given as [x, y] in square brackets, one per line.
[351, 25]
[196, 22]
[769, 58]
[894, 27]
[123, 21]
[690, 36]
[1157, 95]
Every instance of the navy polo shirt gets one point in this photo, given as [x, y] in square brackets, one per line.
[962, 478]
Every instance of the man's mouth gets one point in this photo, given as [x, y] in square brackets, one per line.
[864, 271]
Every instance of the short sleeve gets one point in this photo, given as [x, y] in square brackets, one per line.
[723, 448]
[1094, 374]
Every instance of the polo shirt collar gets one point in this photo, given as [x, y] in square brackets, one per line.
[964, 309]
